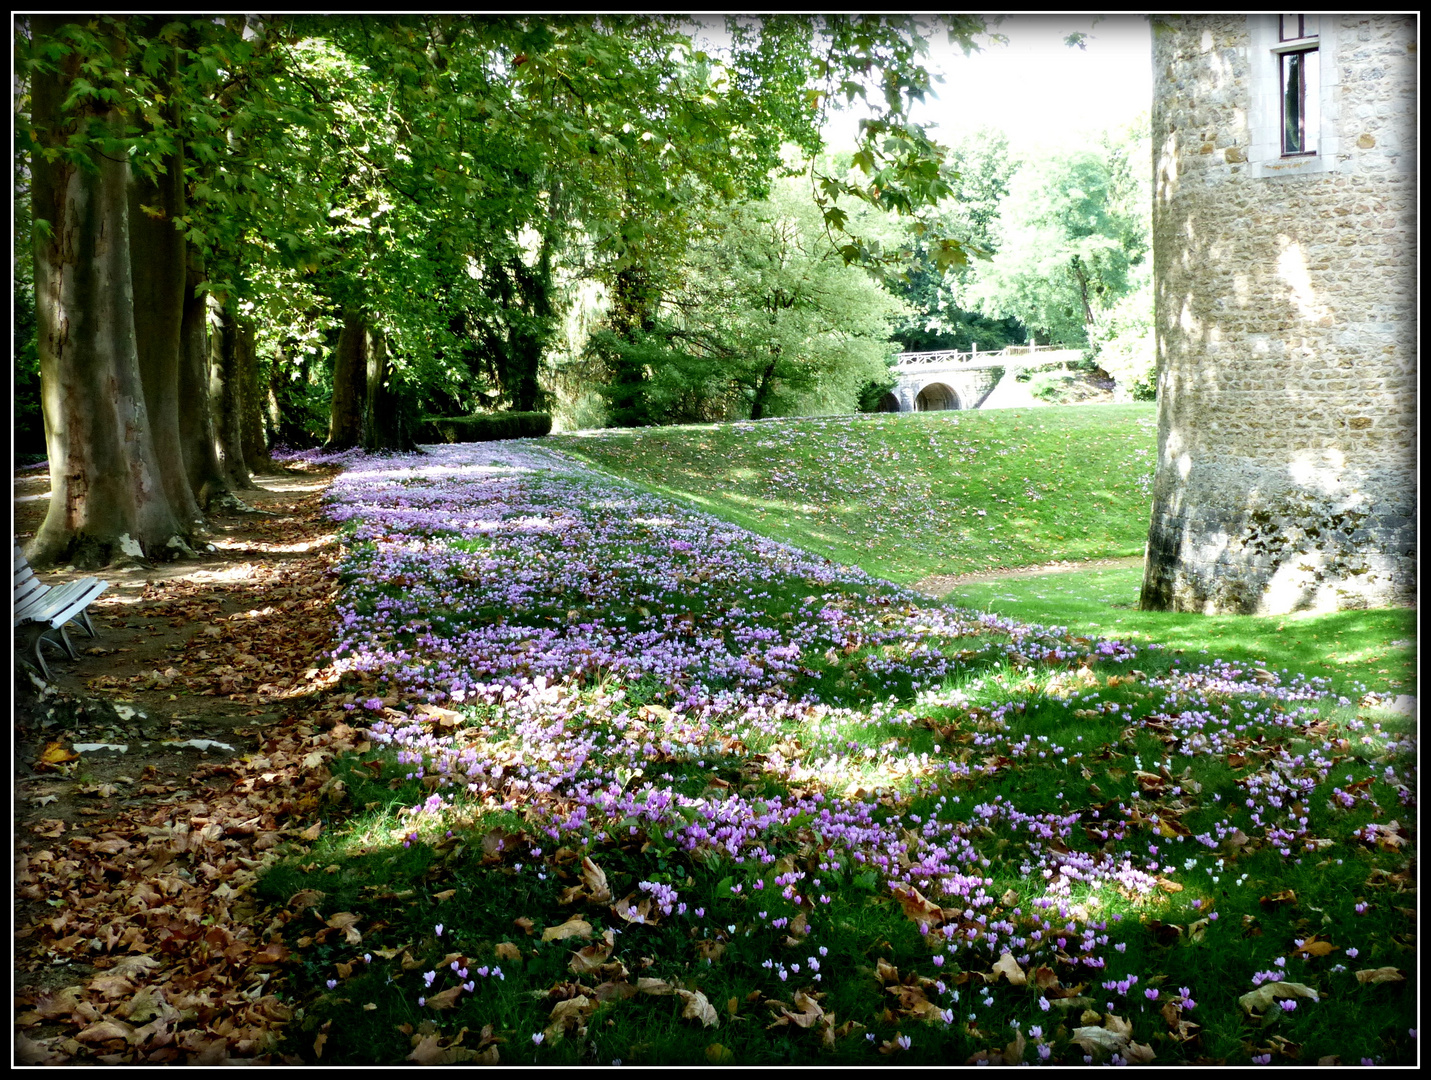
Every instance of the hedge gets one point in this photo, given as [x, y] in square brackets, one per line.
[487, 427]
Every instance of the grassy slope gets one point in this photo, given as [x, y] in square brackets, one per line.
[904, 497]
[909, 496]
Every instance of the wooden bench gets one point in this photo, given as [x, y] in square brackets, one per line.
[52, 607]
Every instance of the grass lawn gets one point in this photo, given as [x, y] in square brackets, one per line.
[1356, 650]
[908, 496]
[641, 786]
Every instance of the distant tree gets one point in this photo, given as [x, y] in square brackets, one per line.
[765, 320]
[1069, 235]
[944, 317]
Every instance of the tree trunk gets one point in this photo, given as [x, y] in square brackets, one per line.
[762, 387]
[255, 446]
[388, 423]
[107, 499]
[225, 388]
[158, 267]
[350, 389]
[207, 479]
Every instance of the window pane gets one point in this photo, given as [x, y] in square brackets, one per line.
[1291, 27]
[1292, 97]
[1311, 101]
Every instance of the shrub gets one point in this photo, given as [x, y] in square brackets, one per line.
[487, 427]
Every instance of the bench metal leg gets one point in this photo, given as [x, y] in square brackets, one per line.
[40, 643]
[83, 618]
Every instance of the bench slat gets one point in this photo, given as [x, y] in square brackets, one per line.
[69, 599]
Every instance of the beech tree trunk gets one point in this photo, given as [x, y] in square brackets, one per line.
[388, 423]
[350, 383]
[207, 479]
[225, 387]
[107, 499]
[159, 270]
[251, 399]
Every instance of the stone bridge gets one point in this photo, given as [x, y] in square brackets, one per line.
[934, 381]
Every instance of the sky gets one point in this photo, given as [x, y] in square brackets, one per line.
[1040, 91]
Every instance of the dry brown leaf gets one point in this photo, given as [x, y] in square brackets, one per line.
[1138, 1054]
[524, 924]
[657, 987]
[1379, 975]
[1009, 968]
[698, 1008]
[445, 1000]
[635, 913]
[1314, 946]
[717, 1054]
[1014, 1052]
[56, 754]
[1266, 994]
[589, 958]
[1118, 1026]
[445, 894]
[570, 1014]
[886, 971]
[311, 833]
[920, 910]
[105, 1030]
[594, 878]
[1094, 1039]
[507, 951]
[347, 922]
[573, 927]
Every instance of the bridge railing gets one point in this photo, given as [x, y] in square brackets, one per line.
[954, 356]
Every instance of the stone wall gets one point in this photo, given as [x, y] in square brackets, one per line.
[1285, 319]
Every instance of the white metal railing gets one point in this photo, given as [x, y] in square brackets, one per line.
[954, 356]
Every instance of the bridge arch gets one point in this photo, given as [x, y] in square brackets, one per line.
[889, 403]
[936, 397]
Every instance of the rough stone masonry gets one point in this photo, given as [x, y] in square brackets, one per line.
[1285, 313]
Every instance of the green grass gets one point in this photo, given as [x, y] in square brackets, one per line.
[1035, 770]
[908, 496]
[1373, 649]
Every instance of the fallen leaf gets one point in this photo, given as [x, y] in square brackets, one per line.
[1286, 896]
[1314, 946]
[573, 927]
[698, 1008]
[445, 894]
[920, 910]
[570, 1014]
[347, 922]
[717, 1054]
[507, 951]
[1379, 975]
[445, 1000]
[1009, 968]
[1138, 1054]
[1266, 994]
[56, 754]
[1093, 1039]
[594, 878]
[524, 924]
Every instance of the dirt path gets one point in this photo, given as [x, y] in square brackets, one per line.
[940, 584]
[153, 778]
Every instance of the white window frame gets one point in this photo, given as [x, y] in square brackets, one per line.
[1265, 157]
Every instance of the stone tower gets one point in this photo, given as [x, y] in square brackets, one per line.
[1284, 255]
